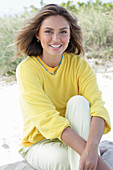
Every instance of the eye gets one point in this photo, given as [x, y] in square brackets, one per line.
[48, 31]
[63, 32]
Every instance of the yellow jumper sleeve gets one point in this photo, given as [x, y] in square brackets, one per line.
[88, 88]
[37, 106]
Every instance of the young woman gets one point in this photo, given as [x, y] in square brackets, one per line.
[64, 115]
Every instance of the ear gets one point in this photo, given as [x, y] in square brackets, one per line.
[37, 37]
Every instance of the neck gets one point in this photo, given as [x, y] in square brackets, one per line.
[51, 61]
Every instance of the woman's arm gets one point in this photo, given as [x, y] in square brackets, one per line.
[96, 131]
[88, 87]
[38, 110]
[73, 140]
[87, 150]
[89, 158]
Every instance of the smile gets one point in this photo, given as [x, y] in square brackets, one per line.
[55, 46]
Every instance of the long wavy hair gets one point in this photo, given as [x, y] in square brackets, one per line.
[26, 41]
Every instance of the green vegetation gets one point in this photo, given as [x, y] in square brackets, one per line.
[95, 20]
[8, 28]
[97, 30]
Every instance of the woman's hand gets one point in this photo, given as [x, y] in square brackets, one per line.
[89, 159]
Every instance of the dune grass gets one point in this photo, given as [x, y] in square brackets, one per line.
[98, 33]
[8, 28]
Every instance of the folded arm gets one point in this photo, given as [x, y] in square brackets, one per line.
[87, 150]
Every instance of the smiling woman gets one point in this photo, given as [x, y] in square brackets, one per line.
[54, 36]
[27, 36]
[64, 115]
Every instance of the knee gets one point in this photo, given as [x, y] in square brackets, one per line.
[78, 100]
[78, 114]
[78, 109]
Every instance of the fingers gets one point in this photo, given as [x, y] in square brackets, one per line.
[87, 166]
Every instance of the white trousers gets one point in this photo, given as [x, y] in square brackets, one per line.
[54, 154]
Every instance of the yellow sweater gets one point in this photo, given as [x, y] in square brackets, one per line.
[43, 96]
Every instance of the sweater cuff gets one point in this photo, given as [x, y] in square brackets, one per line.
[59, 137]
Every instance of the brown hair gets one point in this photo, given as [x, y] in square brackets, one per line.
[26, 40]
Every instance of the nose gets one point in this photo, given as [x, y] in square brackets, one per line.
[55, 37]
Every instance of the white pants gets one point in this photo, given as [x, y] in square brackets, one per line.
[55, 155]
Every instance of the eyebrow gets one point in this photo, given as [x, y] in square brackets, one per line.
[53, 29]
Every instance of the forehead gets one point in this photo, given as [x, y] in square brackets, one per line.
[55, 21]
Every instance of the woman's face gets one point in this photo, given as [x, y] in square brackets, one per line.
[54, 35]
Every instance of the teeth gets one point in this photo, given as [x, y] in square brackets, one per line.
[55, 46]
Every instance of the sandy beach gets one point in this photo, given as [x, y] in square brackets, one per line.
[11, 118]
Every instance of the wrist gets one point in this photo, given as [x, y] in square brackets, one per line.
[92, 146]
